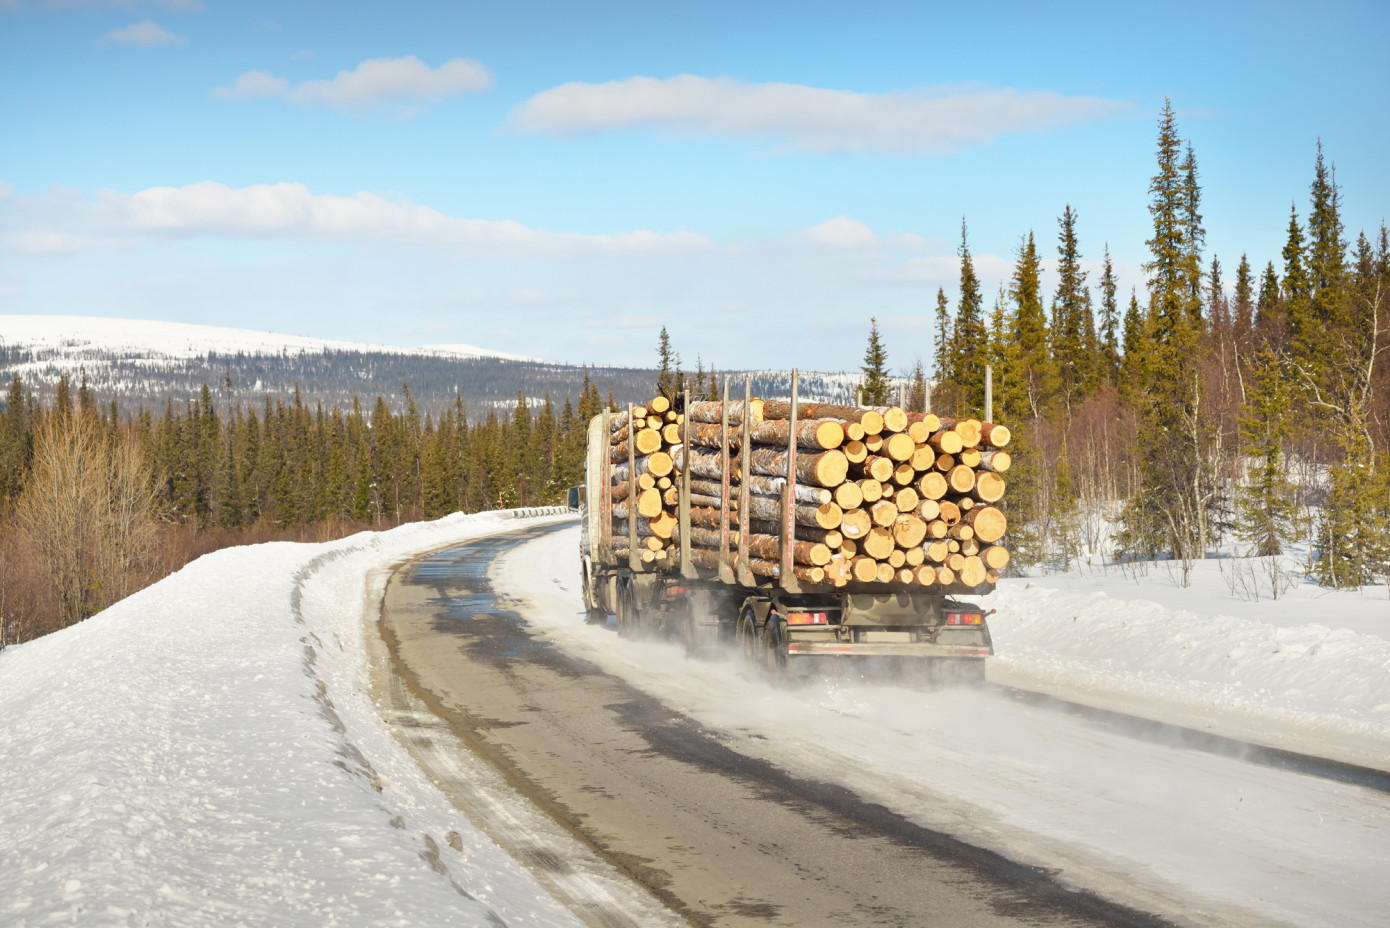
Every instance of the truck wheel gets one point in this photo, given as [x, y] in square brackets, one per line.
[750, 643]
[775, 645]
[593, 615]
[627, 611]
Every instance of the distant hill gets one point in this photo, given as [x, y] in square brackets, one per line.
[146, 363]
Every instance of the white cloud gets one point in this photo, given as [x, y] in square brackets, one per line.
[400, 82]
[145, 34]
[6, 191]
[61, 220]
[921, 122]
[253, 84]
[843, 232]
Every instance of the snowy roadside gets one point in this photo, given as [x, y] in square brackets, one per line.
[206, 751]
[1308, 672]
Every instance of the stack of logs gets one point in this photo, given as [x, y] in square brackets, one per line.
[881, 495]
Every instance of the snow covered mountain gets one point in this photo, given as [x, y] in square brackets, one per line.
[74, 341]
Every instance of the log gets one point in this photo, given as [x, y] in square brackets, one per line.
[705, 515]
[929, 509]
[854, 431]
[870, 489]
[708, 435]
[944, 462]
[991, 576]
[878, 543]
[671, 433]
[906, 575]
[961, 479]
[663, 525]
[874, 443]
[955, 561]
[883, 512]
[995, 436]
[826, 469]
[826, 515]
[932, 485]
[701, 557]
[649, 503]
[811, 434]
[970, 457]
[864, 569]
[909, 531]
[923, 456]
[894, 418]
[989, 524]
[915, 556]
[870, 419]
[936, 551]
[885, 572]
[658, 464]
[906, 499]
[830, 537]
[619, 492]
[713, 410]
[803, 552]
[970, 548]
[899, 446]
[849, 548]
[997, 461]
[877, 468]
[855, 524]
[618, 422]
[897, 558]
[989, 487]
[945, 576]
[701, 463]
[903, 475]
[996, 557]
[760, 485]
[946, 442]
[969, 432]
[961, 532]
[645, 481]
[926, 575]
[848, 495]
[937, 529]
[950, 512]
[973, 573]
[659, 405]
[855, 451]
[663, 483]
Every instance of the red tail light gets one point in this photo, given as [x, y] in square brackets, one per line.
[676, 590]
[964, 618]
[807, 618]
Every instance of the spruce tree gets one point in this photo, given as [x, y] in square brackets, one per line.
[1326, 255]
[1304, 334]
[1028, 382]
[968, 337]
[1068, 316]
[1109, 323]
[874, 388]
[668, 367]
[1267, 509]
[1269, 320]
[1243, 305]
[1132, 373]
[942, 318]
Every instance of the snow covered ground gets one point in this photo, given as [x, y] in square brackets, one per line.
[207, 751]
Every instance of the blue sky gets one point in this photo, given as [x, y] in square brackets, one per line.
[561, 179]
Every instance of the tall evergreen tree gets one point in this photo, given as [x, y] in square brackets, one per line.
[874, 388]
[1267, 507]
[1068, 316]
[942, 319]
[968, 337]
[1243, 305]
[1028, 382]
[1109, 323]
[1269, 320]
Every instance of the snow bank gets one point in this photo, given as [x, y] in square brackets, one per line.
[1309, 671]
[205, 751]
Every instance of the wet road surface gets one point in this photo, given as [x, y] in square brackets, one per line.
[720, 838]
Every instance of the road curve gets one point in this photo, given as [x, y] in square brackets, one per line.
[720, 838]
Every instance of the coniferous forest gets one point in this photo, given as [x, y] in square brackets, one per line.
[1214, 411]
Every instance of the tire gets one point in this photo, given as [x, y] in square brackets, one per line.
[593, 615]
[627, 611]
[775, 645]
[750, 642]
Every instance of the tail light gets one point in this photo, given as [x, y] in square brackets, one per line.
[677, 590]
[964, 618]
[807, 618]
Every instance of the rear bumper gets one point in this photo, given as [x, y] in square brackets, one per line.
[882, 649]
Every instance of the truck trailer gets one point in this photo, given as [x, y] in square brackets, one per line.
[714, 584]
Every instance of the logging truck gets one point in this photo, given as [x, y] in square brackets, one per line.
[795, 530]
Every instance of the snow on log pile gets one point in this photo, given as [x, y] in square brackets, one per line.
[207, 752]
[882, 495]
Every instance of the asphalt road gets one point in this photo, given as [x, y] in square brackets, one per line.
[719, 838]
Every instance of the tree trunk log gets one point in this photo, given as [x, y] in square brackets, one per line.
[989, 524]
